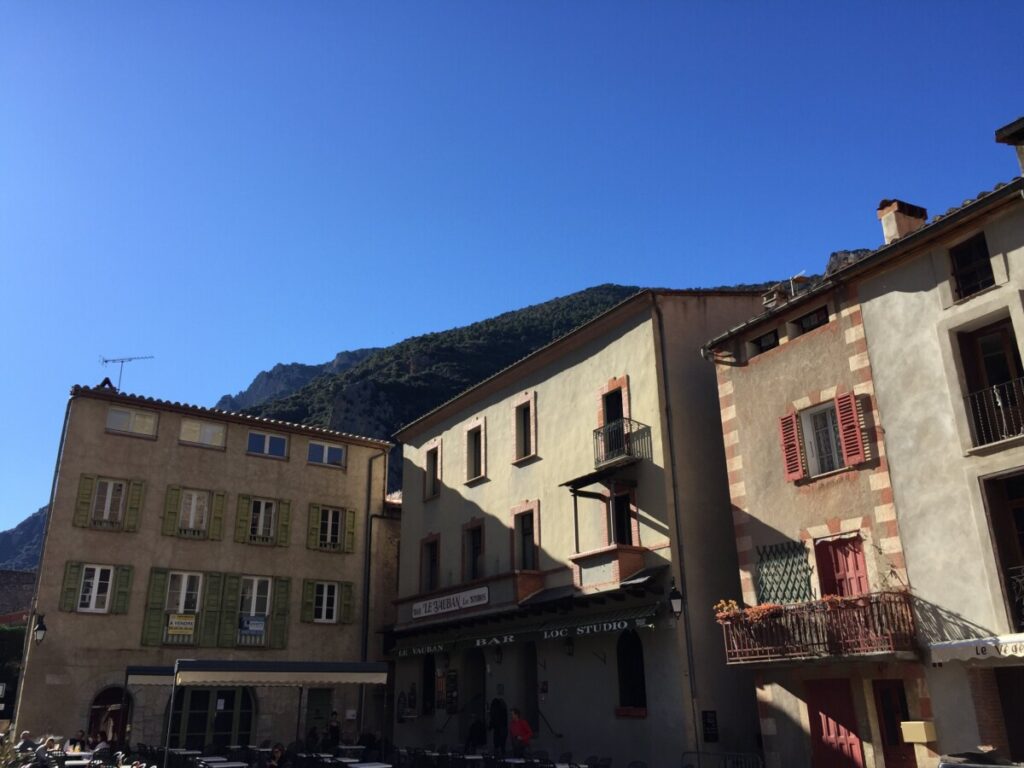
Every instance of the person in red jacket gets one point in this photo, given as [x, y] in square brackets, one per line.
[520, 732]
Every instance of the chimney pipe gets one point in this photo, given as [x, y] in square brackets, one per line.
[1013, 135]
[899, 219]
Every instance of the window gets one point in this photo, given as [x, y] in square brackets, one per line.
[473, 556]
[261, 523]
[326, 453]
[432, 477]
[430, 565]
[253, 607]
[972, 266]
[622, 518]
[841, 567]
[203, 433]
[525, 544]
[108, 503]
[783, 574]
[525, 416]
[131, 421]
[195, 509]
[325, 602]
[268, 445]
[183, 592]
[822, 439]
[766, 341]
[629, 652]
[94, 595]
[330, 528]
[811, 320]
[475, 453]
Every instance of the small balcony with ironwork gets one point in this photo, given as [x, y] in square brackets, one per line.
[993, 379]
[619, 442]
[874, 624]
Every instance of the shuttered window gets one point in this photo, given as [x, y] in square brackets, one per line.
[91, 588]
[108, 503]
[792, 450]
[842, 569]
[822, 439]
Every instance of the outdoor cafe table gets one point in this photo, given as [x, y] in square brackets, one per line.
[230, 764]
[345, 747]
[212, 759]
[371, 765]
[76, 763]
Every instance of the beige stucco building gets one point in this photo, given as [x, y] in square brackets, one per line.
[184, 532]
[548, 512]
[909, 386]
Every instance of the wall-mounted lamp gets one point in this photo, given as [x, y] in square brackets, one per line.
[498, 654]
[570, 646]
[40, 631]
[675, 600]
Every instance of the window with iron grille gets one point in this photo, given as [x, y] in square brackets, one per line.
[783, 573]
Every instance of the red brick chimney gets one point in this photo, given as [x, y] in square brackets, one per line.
[899, 219]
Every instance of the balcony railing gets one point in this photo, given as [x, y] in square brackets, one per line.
[997, 413]
[109, 523]
[177, 631]
[882, 622]
[192, 533]
[621, 439]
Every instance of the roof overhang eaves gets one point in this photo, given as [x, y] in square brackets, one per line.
[936, 228]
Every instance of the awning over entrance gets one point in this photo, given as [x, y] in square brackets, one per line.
[579, 625]
[978, 649]
[260, 673]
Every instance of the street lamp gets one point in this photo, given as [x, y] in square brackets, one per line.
[675, 600]
[40, 630]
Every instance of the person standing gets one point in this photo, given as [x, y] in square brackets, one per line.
[334, 730]
[521, 734]
[499, 724]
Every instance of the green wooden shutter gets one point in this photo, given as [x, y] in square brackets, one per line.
[156, 595]
[284, 522]
[228, 634]
[72, 586]
[172, 508]
[210, 615]
[279, 614]
[346, 602]
[122, 588]
[243, 520]
[350, 530]
[313, 527]
[136, 495]
[216, 527]
[83, 504]
[308, 599]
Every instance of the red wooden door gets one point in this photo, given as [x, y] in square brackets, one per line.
[834, 739]
[891, 704]
[841, 567]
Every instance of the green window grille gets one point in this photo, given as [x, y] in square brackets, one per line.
[783, 574]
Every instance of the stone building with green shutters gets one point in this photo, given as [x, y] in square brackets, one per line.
[185, 532]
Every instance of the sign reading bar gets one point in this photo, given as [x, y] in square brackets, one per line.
[457, 601]
[181, 624]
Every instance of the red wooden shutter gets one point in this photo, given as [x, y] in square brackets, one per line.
[851, 442]
[792, 453]
[842, 569]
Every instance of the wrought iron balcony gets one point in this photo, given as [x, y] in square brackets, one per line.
[621, 440]
[997, 413]
[878, 623]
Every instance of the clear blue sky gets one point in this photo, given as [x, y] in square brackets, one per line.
[229, 185]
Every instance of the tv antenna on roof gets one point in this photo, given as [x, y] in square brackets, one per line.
[121, 361]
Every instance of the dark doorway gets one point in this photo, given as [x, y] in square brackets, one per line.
[614, 434]
[428, 683]
[1004, 501]
[622, 518]
[318, 710]
[613, 410]
[107, 716]
[891, 705]
[992, 369]
[217, 716]
[530, 706]
[841, 567]
[474, 693]
[1010, 681]
[834, 739]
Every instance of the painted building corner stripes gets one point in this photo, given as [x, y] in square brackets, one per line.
[737, 486]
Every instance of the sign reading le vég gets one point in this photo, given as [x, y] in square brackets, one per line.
[457, 601]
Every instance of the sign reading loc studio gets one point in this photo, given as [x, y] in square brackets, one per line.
[457, 601]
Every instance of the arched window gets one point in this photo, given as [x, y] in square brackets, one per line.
[632, 686]
[110, 711]
[429, 673]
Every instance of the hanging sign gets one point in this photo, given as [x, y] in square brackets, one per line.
[457, 601]
[253, 625]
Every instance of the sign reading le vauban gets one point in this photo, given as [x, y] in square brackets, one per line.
[457, 601]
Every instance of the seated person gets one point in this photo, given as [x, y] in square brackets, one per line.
[78, 742]
[25, 744]
[44, 750]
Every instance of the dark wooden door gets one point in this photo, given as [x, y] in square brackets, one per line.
[891, 705]
[834, 739]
